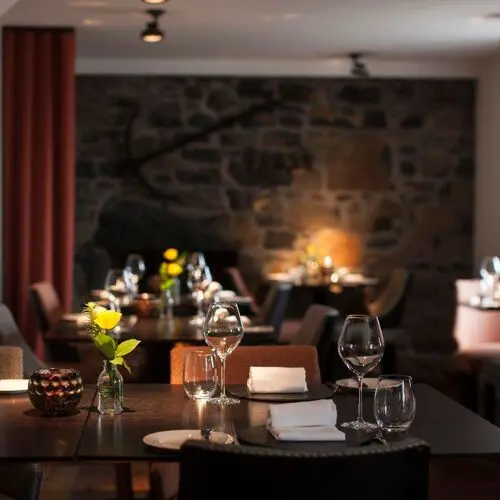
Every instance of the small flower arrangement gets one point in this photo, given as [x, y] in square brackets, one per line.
[171, 268]
[101, 322]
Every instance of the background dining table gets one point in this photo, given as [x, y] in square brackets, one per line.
[158, 336]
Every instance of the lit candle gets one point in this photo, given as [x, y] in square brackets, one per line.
[327, 262]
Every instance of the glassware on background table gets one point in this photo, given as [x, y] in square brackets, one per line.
[490, 275]
[223, 332]
[137, 267]
[361, 347]
[394, 403]
[198, 278]
[119, 285]
[199, 375]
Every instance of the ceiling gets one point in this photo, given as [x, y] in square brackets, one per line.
[273, 29]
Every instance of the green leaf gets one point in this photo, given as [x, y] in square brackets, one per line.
[127, 367]
[126, 347]
[105, 344]
[118, 360]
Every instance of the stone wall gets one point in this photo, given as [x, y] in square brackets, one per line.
[376, 173]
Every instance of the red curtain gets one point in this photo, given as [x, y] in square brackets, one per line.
[38, 166]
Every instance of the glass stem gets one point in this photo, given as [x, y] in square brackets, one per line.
[360, 398]
[223, 377]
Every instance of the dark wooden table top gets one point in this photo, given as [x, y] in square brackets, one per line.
[25, 435]
[153, 330]
[449, 428]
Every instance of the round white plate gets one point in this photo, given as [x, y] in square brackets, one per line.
[369, 384]
[13, 385]
[173, 440]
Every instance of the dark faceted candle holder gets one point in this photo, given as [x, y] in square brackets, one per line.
[55, 391]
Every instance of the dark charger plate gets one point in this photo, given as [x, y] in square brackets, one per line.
[313, 394]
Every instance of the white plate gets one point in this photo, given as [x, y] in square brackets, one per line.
[369, 384]
[173, 440]
[13, 385]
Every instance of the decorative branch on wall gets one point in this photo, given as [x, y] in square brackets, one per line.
[132, 165]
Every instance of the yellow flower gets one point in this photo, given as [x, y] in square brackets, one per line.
[171, 254]
[174, 269]
[107, 320]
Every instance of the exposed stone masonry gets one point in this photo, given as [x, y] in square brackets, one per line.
[377, 173]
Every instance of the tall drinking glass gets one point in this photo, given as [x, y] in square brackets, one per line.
[394, 403]
[199, 374]
[197, 282]
[361, 347]
[223, 332]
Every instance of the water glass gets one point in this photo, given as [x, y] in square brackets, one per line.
[394, 403]
[199, 374]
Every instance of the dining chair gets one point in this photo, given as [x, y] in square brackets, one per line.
[395, 471]
[48, 311]
[238, 284]
[272, 312]
[243, 357]
[389, 304]
[20, 481]
[11, 336]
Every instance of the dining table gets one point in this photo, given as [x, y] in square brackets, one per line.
[451, 430]
[158, 336]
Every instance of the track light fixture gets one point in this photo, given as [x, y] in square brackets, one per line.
[152, 33]
[358, 67]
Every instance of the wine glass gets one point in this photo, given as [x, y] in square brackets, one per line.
[223, 332]
[197, 280]
[490, 273]
[361, 347]
[137, 267]
[119, 284]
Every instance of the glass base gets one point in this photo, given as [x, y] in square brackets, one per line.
[223, 400]
[359, 425]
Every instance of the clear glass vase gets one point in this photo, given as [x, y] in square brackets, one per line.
[110, 390]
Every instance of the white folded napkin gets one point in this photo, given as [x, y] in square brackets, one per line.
[272, 379]
[307, 421]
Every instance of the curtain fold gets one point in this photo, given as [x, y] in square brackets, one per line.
[38, 167]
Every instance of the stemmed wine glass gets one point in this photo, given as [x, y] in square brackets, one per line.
[361, 347]
[119, 284]
[223, 332]
[490, 274]
[197, 279]
[137, 267]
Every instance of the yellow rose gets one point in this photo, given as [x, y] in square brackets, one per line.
[107, 320]
[310, 250]
[163, 268]
[174, 269]
[171, 254]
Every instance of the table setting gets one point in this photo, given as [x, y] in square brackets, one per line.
[297, 413]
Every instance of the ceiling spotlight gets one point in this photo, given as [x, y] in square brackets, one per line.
[153, 33]
[154, 1]
[358, 67]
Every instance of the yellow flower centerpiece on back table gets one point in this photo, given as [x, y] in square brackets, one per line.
[169, 271]
[102, 323]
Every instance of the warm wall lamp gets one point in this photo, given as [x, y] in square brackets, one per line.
[155, 1]
[152, 33]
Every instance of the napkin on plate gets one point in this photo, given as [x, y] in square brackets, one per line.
[271, 379]
[305, 421]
